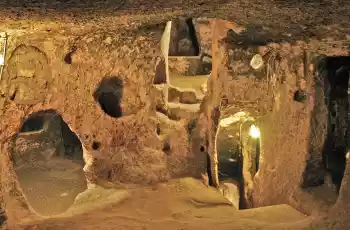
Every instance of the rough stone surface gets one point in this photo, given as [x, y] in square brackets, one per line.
[131, 151]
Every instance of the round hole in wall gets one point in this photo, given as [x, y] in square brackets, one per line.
[96, 145]
[109, 94]
[166, 148]
[158, 129]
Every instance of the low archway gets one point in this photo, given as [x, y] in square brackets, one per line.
[329, 143]
[48, 161]
[238, 148]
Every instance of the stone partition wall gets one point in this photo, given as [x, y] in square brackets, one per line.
[292, 133]
[70, 72]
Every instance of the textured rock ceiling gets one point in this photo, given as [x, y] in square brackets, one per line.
[276, 19]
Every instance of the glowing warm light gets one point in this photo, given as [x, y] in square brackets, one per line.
[254, 132]
[3, 44]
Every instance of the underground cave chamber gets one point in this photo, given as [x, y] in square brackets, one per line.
[48, 161]
[238, 148]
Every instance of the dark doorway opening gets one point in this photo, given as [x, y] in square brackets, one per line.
[183, 38]
[193, 35]
[336, 145]
[229, 152]
[48, 163]
[54, 134]
[109, 94]
[328, 140]
[238, 158]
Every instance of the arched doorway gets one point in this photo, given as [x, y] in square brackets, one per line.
[48, 161]
[238, 147]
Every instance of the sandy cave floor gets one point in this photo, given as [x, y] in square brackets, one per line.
[182, 204]
[179, 204]
[54, 184]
